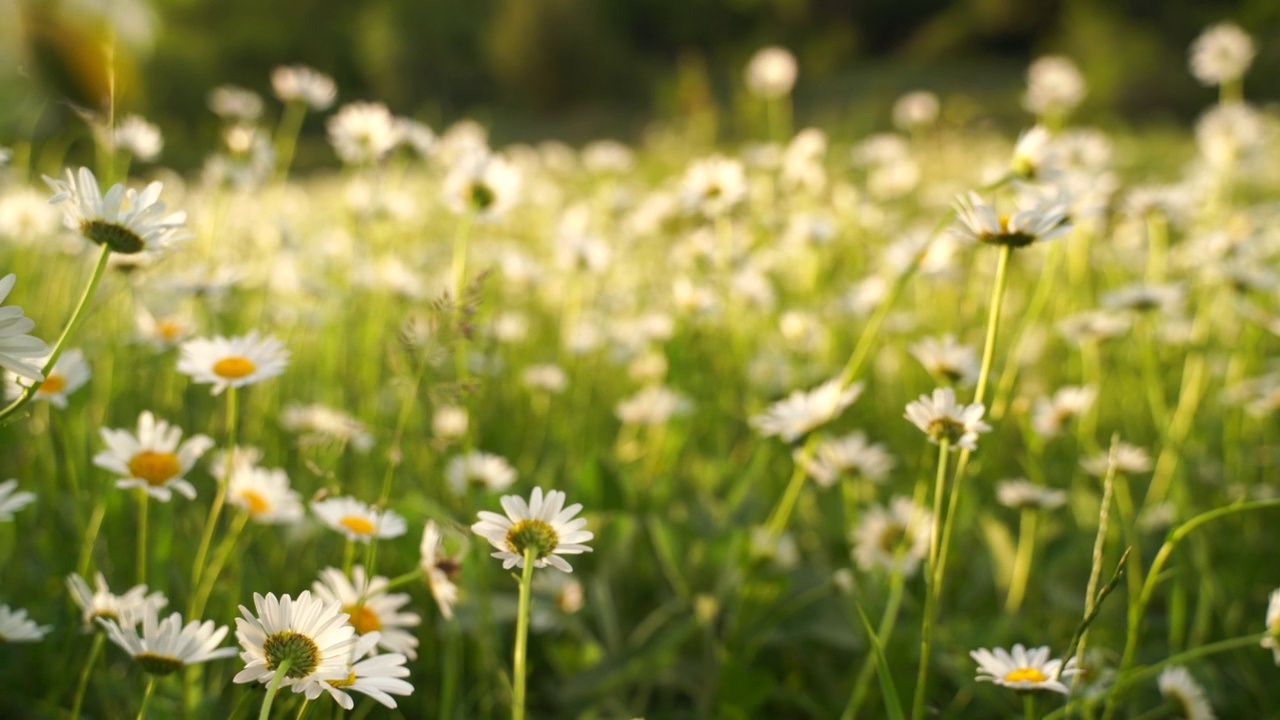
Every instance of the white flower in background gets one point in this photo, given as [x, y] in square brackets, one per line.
[1272, 641]
[771, 72]
[263, 493]
[19, 352]
[1130, 460]
[653, 405]
[1023, 669]
[312, 635]
[1033, 154]
[139, 138]
[1094, 326]
[482, 183]
[357, 521]
[16, 627]
[163, 331]
[948, 360]
[1021, 494]
[853, 455]
[440, 569]
[152, 459]
[123, 219]
[1141, 297]
[543, 525]
[232, 362]
[370, 607]
[362, 132]
[1054, 86]
[548, 377]
[1176, 684]
[27, 219]
[102, 603]
[231, 102]
[10, 501]
[450, 422]
[1220, 54]
[941, 417]
[916, 110]
[321, 424]
[1043, 219]
[892, 537]
[486, 470]
[713, 185]
[415, 135]
[166, 646]
[803, 411]
[69, 374]
[379, 676]
[607, 157]
[1049, 416]
[1230, 134]
[299, 83]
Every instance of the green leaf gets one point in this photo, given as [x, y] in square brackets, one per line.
[892, 705]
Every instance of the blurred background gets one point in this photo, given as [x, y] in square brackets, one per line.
[583, 69]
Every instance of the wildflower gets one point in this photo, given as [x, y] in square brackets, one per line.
[320, 424]
[1220, 54]
[547, 377]
[379, 676]
[941, 417]
[162, 332]
[166, 646]
[771, 73]
[16, 627]
[482, 183]
[357, 521]
[138, 137]
[313, 636]
[440, 569]
[1021, 494]
[370, 607]
[1045, 220]
[299, 83]
[714, 185]
[915, 110]
[152, 459]
[803, 411]
[543, 525]
[362, 132]
[102, 603]
[653, 405]
[1272, 640]
[232, 102]
[1032, 152]
[852, 454]
[947, 359]
[416, 135]
[607, 157]
[10, 501]
[1050, 415]
[15, 345]
[1129, 460]
[264, 494]
[892, 537]
[1140, 297]
[1054, 86]
[232, 362]
[66, 376]
[1231, 134]
[1094, 326]
[492, 472]
[124, 220]
[450, 422]
[1176, 684]
[1023, 669]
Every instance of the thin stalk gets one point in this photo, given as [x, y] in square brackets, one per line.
[931, 596]
[90, 537]
[1022, 559]
[220, 496]
[220, 557]
[142, 535]
[887, 621]
[1099, 541]
[273, 687]
[146, 696]
[287, 137]
[519, 669]
[1029, 706]
[94, 650]
[302, 709]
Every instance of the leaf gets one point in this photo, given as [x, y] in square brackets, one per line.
[892, 705]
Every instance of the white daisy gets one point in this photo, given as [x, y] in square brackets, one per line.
[16, 627]
[543, 524]
[139, 138]
[264, 494]
[547, 377]
[487, 470]
[357, 521]
[370, 607]
[942, 417]
[19, 351]
[1130, 460]
[313, 636]
[714, 185]
[1050, 415]
[945, 358]
[232, 362]
[1021, 494]
[377, 676]
[1272, 641]
[152, 459]
[10, 501]
[162, 332]
[439, 568]
[321, 424]
[362, 132]
[232, 102]
[1176, 684]
[771, 73]
[69, 374]
[1041, 219]
[124, 219]
[166, 646]
[892, 537]
[1220, 54]
[803, 411]
[483, 183]
[653, 405]
[1023, 669]
[299, 83]
[853, 454]
[450, 422]
[1054, 86]
[102, 603]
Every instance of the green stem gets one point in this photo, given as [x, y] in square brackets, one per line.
[993, 321]
[91, 536]
[1099, 542]
[143, 505]
[931, 594]
[302, 709]
[94, 650]
[287, 136]
[220, 557]
[399, 580]
[273, 687]
[519, 669]
[146, 696]
[1029, 706]
[887, 621]
[1022, 560]
[220, 496]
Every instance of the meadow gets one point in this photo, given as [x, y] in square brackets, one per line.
[943, 421]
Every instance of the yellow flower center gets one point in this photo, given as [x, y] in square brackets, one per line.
[348, 682]
[157, 664]
[356, 524]
[536, 534]
[156, 468]
[256, 502]
[1026, 675]
[169, 329]
[52, 384]
[234, 367]
[363, 619]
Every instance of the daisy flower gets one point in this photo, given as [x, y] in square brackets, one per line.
[1176, 684]
[152, 459]
[941, 417]
[1130, 460]
[1273, 625]
[440, 569]
[547, 377]
[18, 350]
[1054, 86]
[357, 521]
[102, 603]
[299, 83]
[1023, 669]
[69, 374]
[232, 362]
[1022, 494]
[320, 424]
[124, 219]
[853, 454]
[379, 676]
[263, 493]
[166, 646]
[1044, 219]
[139, 138]
[1050, 415]
[714, 185]
[1220, 54]
[362, 132]
[653, 405]
[892, 537]
[164, 331]
[16, 627]
[487, 470]
[945, 358]
[483, 183]
[313, 636]
[543, 525]
[771, 73]
[370, 607]
[10, 501]
[803, 411]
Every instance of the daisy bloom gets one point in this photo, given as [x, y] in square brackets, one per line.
[1021, 494]
[379, 676]
[1054, 86]
[941, 417]
[263, 493]
[483, 183]
[362, 132]
[124, 219]
[892, 537]
[321, 424]
[18, 350]
[299, 83]
[803, 411]
[102, 603]
[947, 359]
[771, 73]
[976, 220]
[166, 646]
[852, 454]
[487, 470]
[370, 607]
[152, 459]
[653, 405]
[10, 501]
[1023, 669]
[439, 568]
[1273, 625]
[232, 362]
[1130, 460]
[139, 138]
[1050, 415]
[1176, 684]
[714, 185]
[16, 627]
[543, 525]
[313, 636]
[164, 331]
[450, 422]
[1220, 54]
[66, 376]
[357, 521]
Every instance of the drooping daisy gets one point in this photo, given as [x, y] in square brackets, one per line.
[1220, 54]
[312, 635]
[1023, 669]
[487, 470]
[892, 537]
[851, 454]
[102, 603]
[1043, 219]
[124, 219]
[1272, 641]
[370, 607]
[543, 524]
[264, 494]
[10, 501]
[321, 424]
[16, 627]
[945, 358]
[299, 83]
[771, 73]
[19, 351]
[166, 646]
[440, 569]
[803, 411]
[152, 459]
[942, 417]
[232, 362]
[357, 521]
[379, 676]
[1021, 494]
[69, 374]
[1176, 684]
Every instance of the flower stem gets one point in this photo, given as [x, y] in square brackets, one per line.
[287, 137]
[220, 557]
[1022, 560]
[220, 496]
[146, 696]
[519, 668]
[1029, 706]
[273, 687]
[143, 505]
[931, 595]
[83, 685]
